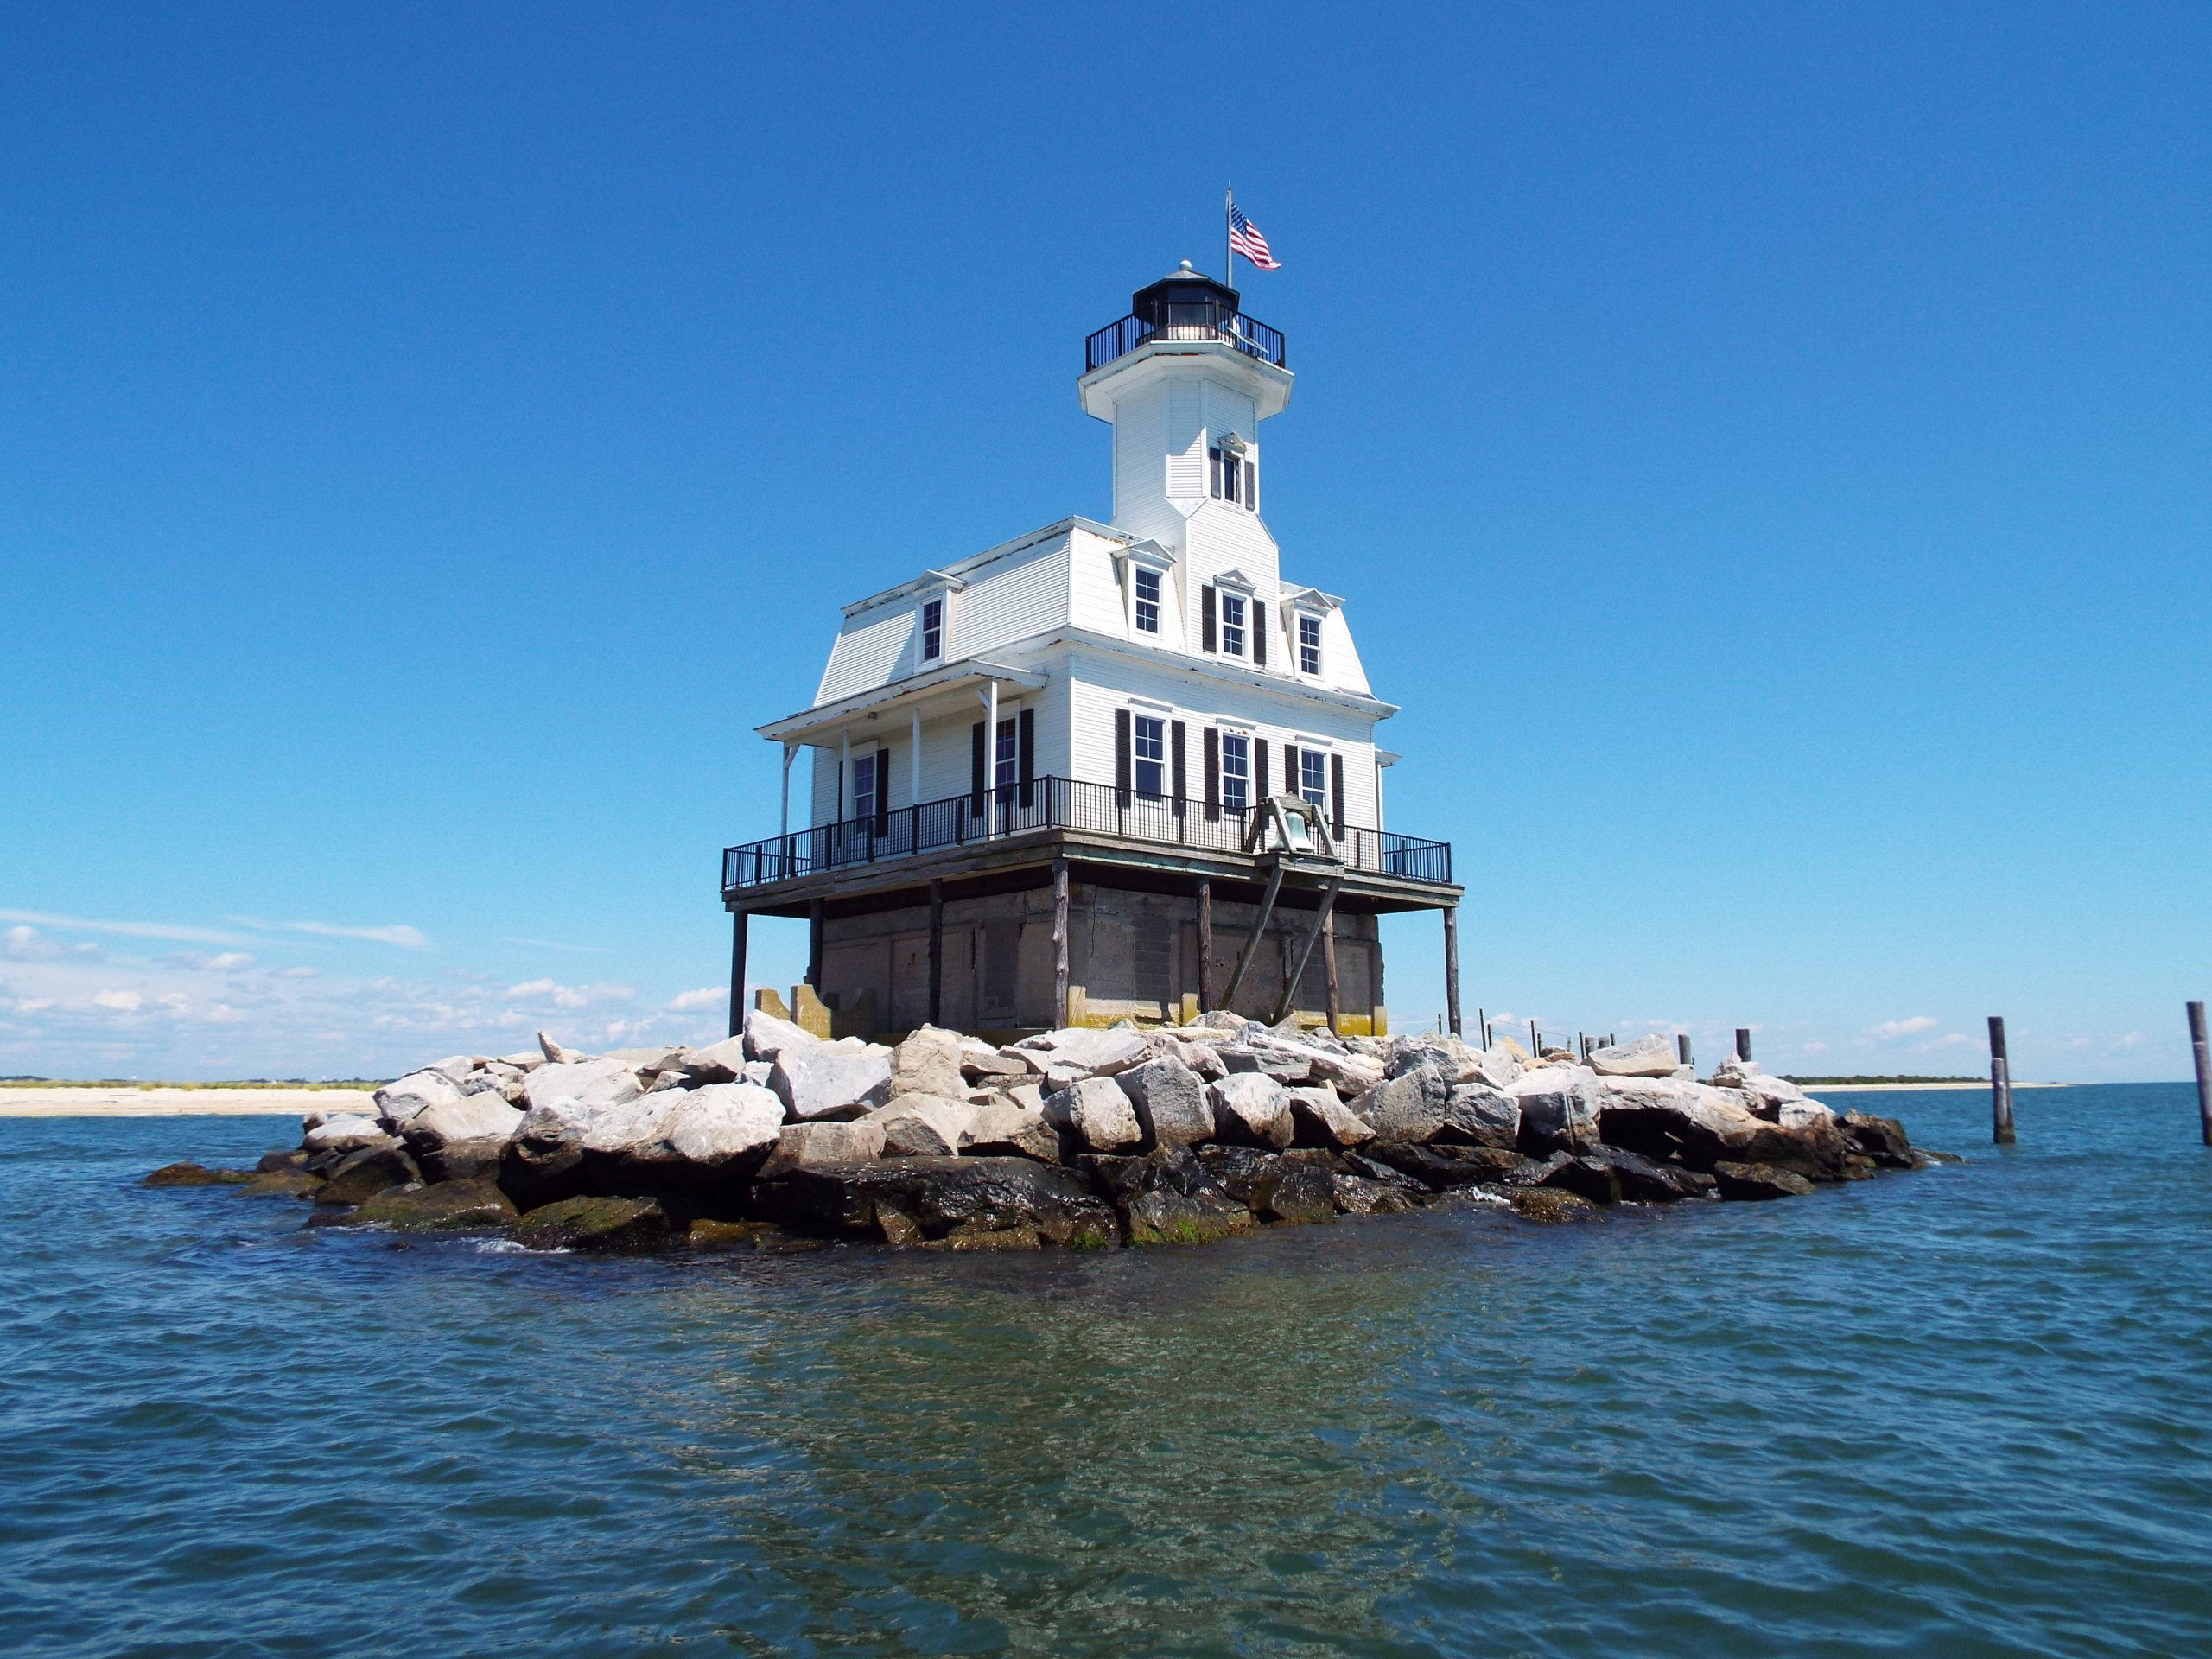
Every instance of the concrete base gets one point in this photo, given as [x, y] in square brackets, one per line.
[1131, 954]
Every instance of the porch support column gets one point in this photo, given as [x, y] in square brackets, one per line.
[914, 774]
[1205, 945]
[1452, 966]
[814, 918]
[936, 952]
[1060, 940]
[737, 972]
[784, 827]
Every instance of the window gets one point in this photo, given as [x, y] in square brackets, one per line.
[1233, 478]
[864, 782]
[932, 630]
[1151, 752]
[1309, 645]
[1232, 625]
[1235, 770]
[1313, 776]
[1006, 769]
[1147, 600]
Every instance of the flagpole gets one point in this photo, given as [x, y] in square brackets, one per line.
[1229, 239]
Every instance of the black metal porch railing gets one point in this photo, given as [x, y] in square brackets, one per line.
[1200, 319]
[1051, 804]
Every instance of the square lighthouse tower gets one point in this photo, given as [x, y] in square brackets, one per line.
[1103, 771]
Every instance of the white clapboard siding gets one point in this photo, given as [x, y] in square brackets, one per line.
[1016, 598]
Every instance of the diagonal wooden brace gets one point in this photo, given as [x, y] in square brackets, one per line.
[1260, 927]
[1320, 926]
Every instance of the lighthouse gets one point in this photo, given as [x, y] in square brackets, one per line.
[1102, 772]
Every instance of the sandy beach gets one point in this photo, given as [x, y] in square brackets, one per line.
[129, 1101]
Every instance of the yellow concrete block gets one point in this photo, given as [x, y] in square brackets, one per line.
[769, 1003]
[809, 1013]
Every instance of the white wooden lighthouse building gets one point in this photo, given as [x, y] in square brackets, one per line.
[1037, 775]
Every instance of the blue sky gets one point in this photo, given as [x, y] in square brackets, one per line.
[1765, 450]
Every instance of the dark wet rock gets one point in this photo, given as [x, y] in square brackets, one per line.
[1169, 1197]
[1701, 1127]
[1644, 1180]
[451, 1206]
[462, 1160]
[1880, 1138]
[1296, 1192]
[937, 1195]
[714, 1235]
[1586, 1177]
[1238, 1171]
[1359, 1195]
[361, 1175]
[992, 1238]
[595, 1223]
[282, 1184]
[195, 1175]
[1439, 1168]
[1549, 1204]
[1756, 1181]
[280, 1159]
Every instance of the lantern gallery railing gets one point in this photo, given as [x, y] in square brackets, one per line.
[1196, 320]
[1052, 803]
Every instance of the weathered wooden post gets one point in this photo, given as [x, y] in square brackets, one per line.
[1205, 945]
[815, 911]
[737, 973]
[1482, 1024]
[937, 951]
[2204, 1068]
[1682, 1049]
[1329, 973]
[1536, 1043]
[1742, 1042]
[2000, 1084]
[1452, 965]
[1060, 941]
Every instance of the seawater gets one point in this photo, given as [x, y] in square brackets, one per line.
[1957, 1412]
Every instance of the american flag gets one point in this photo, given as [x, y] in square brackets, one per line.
[1244, 238]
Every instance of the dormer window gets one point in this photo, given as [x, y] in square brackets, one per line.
[1309, 645]
[1234, 479]
[932, 630]
[1147, 600]
[1232, 625]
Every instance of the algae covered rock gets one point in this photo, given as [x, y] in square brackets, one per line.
[1758, 1181]
[450, 1207]
[195, 1175]
[363, 1174]
[595, 1223]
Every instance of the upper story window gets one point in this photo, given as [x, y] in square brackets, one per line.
[1309, 645]
[865, 785]
[1006, 757]
[1313, 776]
[1147, 600]
[1235, 770]
[1149, 750]
[1234, 479]
[932, 630]
[1232, 625]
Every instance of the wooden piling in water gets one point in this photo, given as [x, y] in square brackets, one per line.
[2203, 1069]
[1682, 1049]
[2000, 1084]
[1452, 965]
[1742, 1042]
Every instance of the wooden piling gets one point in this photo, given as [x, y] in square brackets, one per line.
[737, 973]
[936, 952]
[1742, 1042]
[1536, 1043]
[2000, 1084]
[1060, 941]
[1206, 945]
[1452, 965]
[1329, 974]
[816, 912]
[2204, 1068]
[1682, 1049]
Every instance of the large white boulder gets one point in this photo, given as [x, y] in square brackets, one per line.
[1097, 1053]
[1318, 1119]
[476, 1117]
[929, 1063]
[400, 1101]
[589, 1085]
[1647, 1057]
[721, 1062]
[1097, 1113]
[1003, 1127]
[346, 1132]
[1170, 1100]
[767, 1037]
[923, 1126]
[1250, 1108]
[1559, 1108]
[632, 1128]
[1499, 1065]
[823, 1143]
[827, 1079]
[1350, 1075]
[719, 1124]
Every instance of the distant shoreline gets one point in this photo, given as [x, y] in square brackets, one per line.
[178, 1100]
[1913, 1087]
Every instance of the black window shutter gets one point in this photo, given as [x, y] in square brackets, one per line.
[976, 771]
[1122, 753]
[1178, 777]
[1336, 796]
[1214, 458]
[1025, 751]
[1213, 774]
[883, 791]
[1259, 634]
[1289, 769]
[1260, 789]
[1206, 620]
[1252, 485]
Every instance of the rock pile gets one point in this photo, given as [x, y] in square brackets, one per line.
[1079, 1138]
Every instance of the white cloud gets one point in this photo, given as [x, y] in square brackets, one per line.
[228, 962]
[1813, 1048]
[400, 934]
[1890, 1030]
[121, 1001]
[1948, 1040]
[26, 944]
[2133, 1039]
[547, 991]
[555, 945]
[132, 930]
[707, 996]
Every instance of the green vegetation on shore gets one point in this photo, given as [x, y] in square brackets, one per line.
[240, 1082]
[1809, 1083]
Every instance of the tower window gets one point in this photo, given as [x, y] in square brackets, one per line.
[1147, 600]
[1150, 745]
[1313, 776]
[1232, 625]
[1234, 479]
[1235, 770]
[1309, 645]
[1006, 760]
[932, 630]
